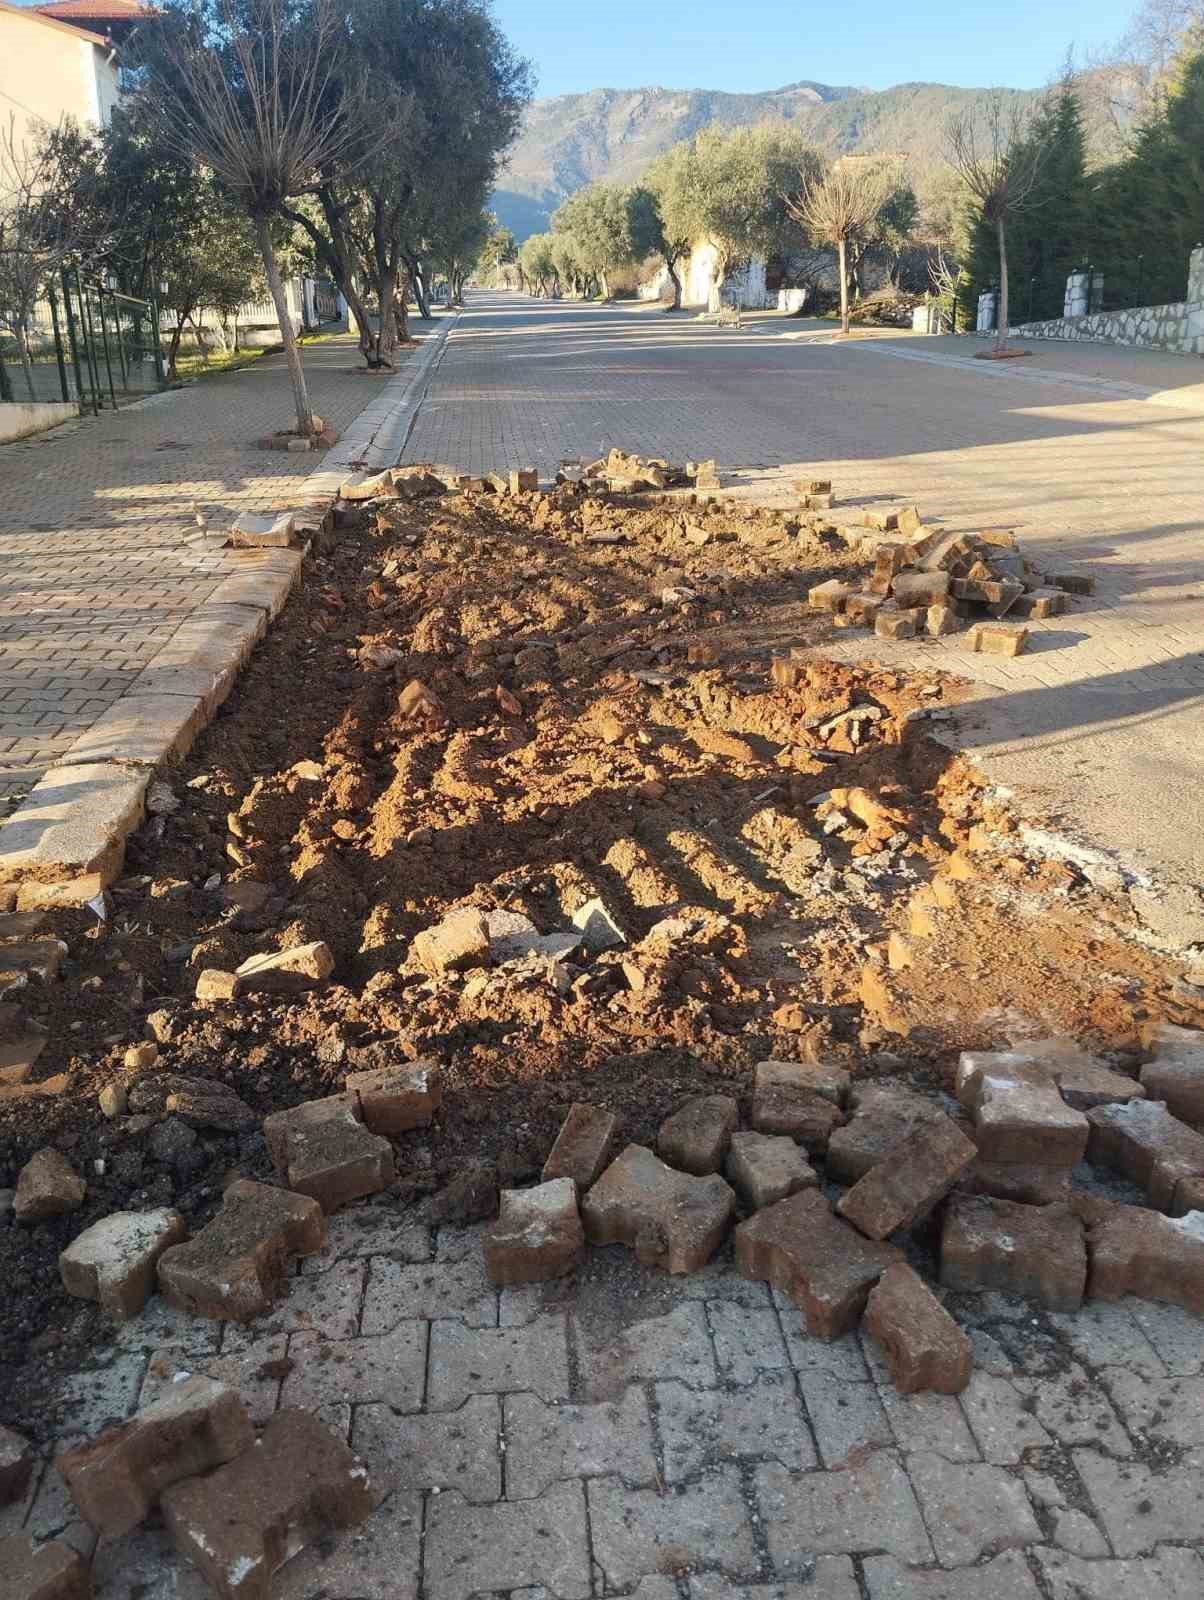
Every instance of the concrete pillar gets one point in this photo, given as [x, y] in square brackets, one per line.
[986, 312]
[1078, 295]
[1195, 275]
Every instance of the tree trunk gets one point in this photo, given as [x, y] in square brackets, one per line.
[26, 360]
[1001, 331]
[424, 310]
[844, 288]
[675, 303]
[173, 349]
[292, 356]
[604, 286]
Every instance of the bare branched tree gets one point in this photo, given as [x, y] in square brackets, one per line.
[244, 88]
[999, 160]
[837, 205]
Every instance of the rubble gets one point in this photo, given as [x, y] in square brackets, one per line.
[16, 1465]
[117, 1478]
[696, 1137]
[51, 1571]
[1038, 1251]
[881, 1116]
[204, 1103]
[1020, 1117]
[1140, 1252]
[801, 1098]
[47, 1186]
[669, 1219]
[1176, 1074]
[916, 1172]
[584, 1147]
[114, 1261]
[322, 1149]
[236, 1266]
[1145, 1142]
[815, 1259]
[458, 943]
[764, 1168]
[538, 1234]
[241, 1523]
[925, 1349]
[394, 1099]
[285, 971]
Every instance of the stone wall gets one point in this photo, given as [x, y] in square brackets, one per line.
[1178, 327]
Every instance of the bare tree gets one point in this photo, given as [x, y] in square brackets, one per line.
[999, 160]
[244, 88]
[838, 205]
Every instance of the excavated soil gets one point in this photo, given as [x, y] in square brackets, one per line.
[528, 703]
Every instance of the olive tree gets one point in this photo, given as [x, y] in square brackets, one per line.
[599, 220]
[835, 205]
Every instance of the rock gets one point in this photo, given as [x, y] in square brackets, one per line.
[241, 1522]
[292, 971]
[1145, 1142]
[204, 1103]
[925, 1349]
[1019, 1114]
[764, 1168]
[696, 1137]
[1176, 1074]
[213, 984]
[800, 1098]
[113, 1100]
[881, 1117]
[394, 1099]
[471, 1196]
[538, 1234]
[16, 1466]
[140, 1057]
[670, 1219]
[117, 1478]
[825, 1267]
[922, 1167]
[1036, 1251]
[113, 1262]
[598, 928]
[237, 1265]
[323, 1150]
[458, 943]
[51, 1571]
[1134, 1251]
[584, 1146]
[47, 1186]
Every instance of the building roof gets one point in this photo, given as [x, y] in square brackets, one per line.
[90, 11]
[36, 15]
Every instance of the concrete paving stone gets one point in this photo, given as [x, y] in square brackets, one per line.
[101, 1396]
[841, 1358]
[747, 1341]
[378, 1560]
[971, 1509]
[1075, 1409]
[141, 730]
[1141, 1507]
[676, 1345]
[1162, 1408]
[53, 1515]
[698, 1525]
[1107, 1334]
[444, 1450]
[764, 1421]
[66, 840]
[989, 1354]
[465, 1361]
[1168, 1574]
[1007, 1577]
[547, 1442]
[469, 1549]
[1074, 1530]
[328, 1302]
[1000, 1418]
[868, 1507]
[719, 1280]
[390, 1368]
[927, 1421]
[399, 1290]
[370, 1231]
[847, 1417]
[144, 1565]
[254, 1369]
[1174, 1334]
[162, 1326]
[830, 1578]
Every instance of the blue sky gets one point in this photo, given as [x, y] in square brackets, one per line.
[763, 44]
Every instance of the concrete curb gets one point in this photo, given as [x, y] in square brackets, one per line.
[66, 841]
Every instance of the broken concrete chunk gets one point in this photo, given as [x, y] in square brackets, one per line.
[116, 1479]
[764, 1168]
[240, 1523]
[292, 971]
[1145, 1142]
[598, 928]
[113, 1262]
[236, 1266]
[458, 943]
[696, 1137]
[925, 1349]
[1176, 1074]
[830, 596]
[921, 1168]
[825, 1267]
[65, 843]
[1134, 1251]
[538, 1234]
[1037, 1251]
[16, 1465]
[50, 1571]
[395, 1099]
[898, 624]
[47, 1186]
[986, 638]
[252, 531]
[366, 486]
[214, 984]
[322, 1149]
[584, 1146]
[670, 1219]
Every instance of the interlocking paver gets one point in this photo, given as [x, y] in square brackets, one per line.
[1007, 1577]
[869, 1507]
[1000, 1418]
[379, 1560]
[831, 1578]
[441, 1450]
[748, 1339]
[1169, 1574]
[846, 1416]
[547, 1442]
[971, 1510]
[764, 1421]
[465, 1361]
[676, 1345]
[474, 1549]
[700, 1524]
[390, 1368]
[1139, 1506]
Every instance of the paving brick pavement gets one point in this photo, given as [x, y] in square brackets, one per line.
[102, 558]
[1094, 455]
[624, 1432]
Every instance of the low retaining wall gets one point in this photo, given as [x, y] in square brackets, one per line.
[20, 418]
[1178, 327]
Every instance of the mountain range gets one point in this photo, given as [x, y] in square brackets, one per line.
[570, 140]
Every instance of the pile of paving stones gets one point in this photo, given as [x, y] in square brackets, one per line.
[930, 581]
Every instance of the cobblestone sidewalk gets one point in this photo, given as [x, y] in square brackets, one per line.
[682, 1438]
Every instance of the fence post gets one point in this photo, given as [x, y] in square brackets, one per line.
[104, 334]
[156, 340]
[72, 340]
[85, 319]
[6, 383]
[58, 341]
